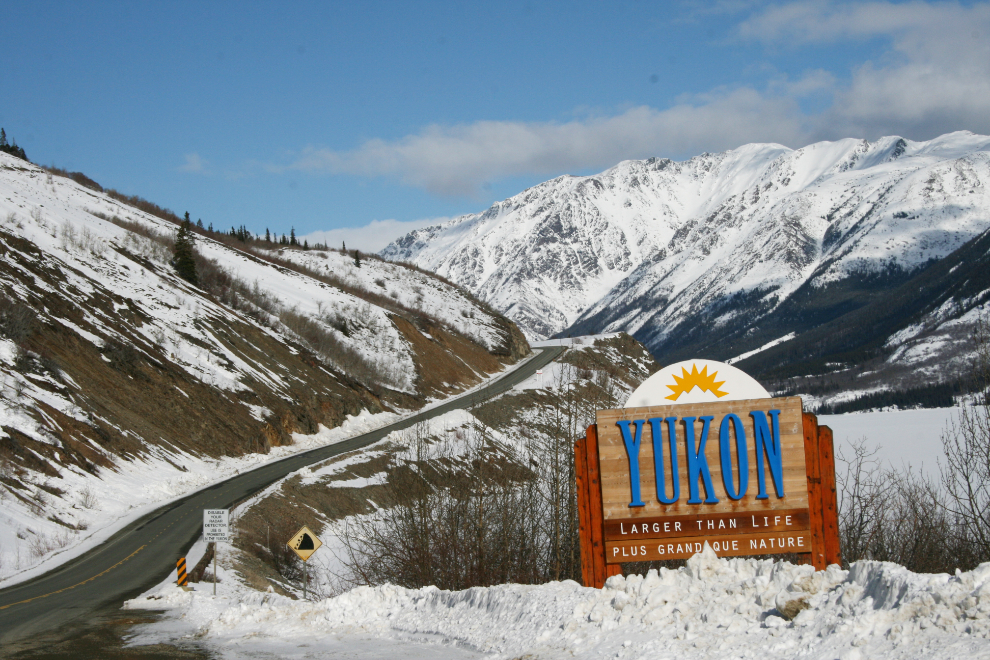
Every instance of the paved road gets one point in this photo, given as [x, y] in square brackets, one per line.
[142, 554]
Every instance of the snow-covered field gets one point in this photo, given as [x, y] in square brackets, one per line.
[901, 437]
[712, 608]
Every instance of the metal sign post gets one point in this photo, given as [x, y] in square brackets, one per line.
[304, 544]
[216, 528]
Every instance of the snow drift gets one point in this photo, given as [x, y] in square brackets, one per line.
[712, 607]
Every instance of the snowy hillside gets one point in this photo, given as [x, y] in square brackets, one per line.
[663, 249]
[124, 385]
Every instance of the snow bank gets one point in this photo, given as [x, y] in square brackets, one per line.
[712, 608]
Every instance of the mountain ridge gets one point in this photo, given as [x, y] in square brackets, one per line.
[665, 250]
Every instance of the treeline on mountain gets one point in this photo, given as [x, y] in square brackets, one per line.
[861, 335]
[842, 329]
[937, 395]
[11, 148]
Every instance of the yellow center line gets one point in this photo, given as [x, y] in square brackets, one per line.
[104, 572]
[79, 584]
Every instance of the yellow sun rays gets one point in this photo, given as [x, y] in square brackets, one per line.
[688, 380]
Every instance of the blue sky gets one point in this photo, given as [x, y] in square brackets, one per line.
[366, 119]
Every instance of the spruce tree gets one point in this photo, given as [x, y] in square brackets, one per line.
[199, 223]
[268, 237]
[184, 260]
[306, 245]
[3, 138]
[292, 237]
[357, 259]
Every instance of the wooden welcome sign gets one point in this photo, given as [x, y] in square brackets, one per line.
[702, 453]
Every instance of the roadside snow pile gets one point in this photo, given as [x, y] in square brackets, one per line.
[712, 608]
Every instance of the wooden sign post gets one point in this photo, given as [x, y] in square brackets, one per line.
[748, 477]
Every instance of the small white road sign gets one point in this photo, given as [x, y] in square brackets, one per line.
[305, 543]
[216, 525]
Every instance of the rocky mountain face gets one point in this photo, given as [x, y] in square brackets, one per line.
[723, 254]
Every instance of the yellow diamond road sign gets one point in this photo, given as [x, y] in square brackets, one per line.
[304, 543]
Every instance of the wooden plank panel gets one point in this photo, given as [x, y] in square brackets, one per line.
[830, 506]
[814, 491]
[724, 546]
[584, 515]
[615, 462]
[790, 520]
[596, 522]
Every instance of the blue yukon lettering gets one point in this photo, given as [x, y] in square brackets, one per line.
[768, 443]
[724, 445]
[658, 462]
[632, 450]
[697, 463]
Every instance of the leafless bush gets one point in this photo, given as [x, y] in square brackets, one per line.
[122, 356]
[453, 514]
[895, 515]
[88, 499]
[44, 544]
[966, 449]
[16, 319]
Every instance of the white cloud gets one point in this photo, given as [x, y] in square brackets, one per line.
[372, 237]
[456, 160]
[933, 78]
[194, 164]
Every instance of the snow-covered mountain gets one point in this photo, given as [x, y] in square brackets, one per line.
[122, 384]
[669, 251]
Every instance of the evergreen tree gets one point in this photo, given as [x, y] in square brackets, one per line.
[210, 228]
[357, 259]
[292, 237]
[199, 223]
[184, 259]
[305, 245]
[268, 237]
[343, 247]
[11, 148]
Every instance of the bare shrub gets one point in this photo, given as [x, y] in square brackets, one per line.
[42, 544]
[966, 448]
[895, 515]
[88, 499]
[16, 319]
[122, 356]
[455, 515]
